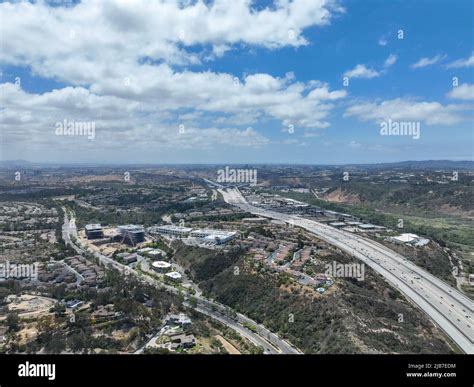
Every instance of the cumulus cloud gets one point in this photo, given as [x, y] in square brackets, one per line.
[424, 62]
[360, 71]
[382, 41]
[124, 63]
[460, 63]
[113, 31]
[208, 98]
[32, 118]
[390, 61]
[399, 109]
[464, 91]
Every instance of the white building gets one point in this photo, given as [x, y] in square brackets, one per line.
[173, 230]
[410, 238]
[215, 236]
[174, 276]
[405, 238]
[161, 266]
[206, 235]
[155, 253]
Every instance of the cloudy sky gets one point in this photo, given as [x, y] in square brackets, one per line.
[302, 81]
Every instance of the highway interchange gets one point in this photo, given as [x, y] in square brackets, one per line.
[446, 306]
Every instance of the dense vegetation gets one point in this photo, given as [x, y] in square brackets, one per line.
[439, 229]
[350, 318]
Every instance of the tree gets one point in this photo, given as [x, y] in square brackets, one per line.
[13, 321]
[59, 309]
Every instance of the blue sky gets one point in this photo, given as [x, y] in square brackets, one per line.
[236, 82]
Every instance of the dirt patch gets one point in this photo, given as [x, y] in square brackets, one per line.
[228, 346]
[456, 211]
[341, 196]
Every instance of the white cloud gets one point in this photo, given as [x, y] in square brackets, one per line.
[392, 58]
[31, 118]
[430, 113]
[468, 62]
[323, 94]
[355, 144]
[116, 31]
[464, 91]
[123, 61]
[382, 41]
[360, 71]
[148, 109]
[424, 62]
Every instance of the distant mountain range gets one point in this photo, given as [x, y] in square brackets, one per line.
[424, 164]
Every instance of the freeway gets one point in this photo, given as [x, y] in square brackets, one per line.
[271, 343]
[446, 306]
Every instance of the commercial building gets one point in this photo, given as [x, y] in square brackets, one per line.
[410, 239]
[161, 266]
[211, 236]
[129, 258]
[94, 231]
[131, 234]
[367, 226]
[173, 230]
[174, 276]
[214, 236]
[155, 253]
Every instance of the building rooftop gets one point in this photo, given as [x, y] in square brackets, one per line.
[172, 227]
[406, 238]
[131, 227]
[174, 275]
[215, 233]
[156, 252]
[366, 226]
[89, 227]
[161, 264]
